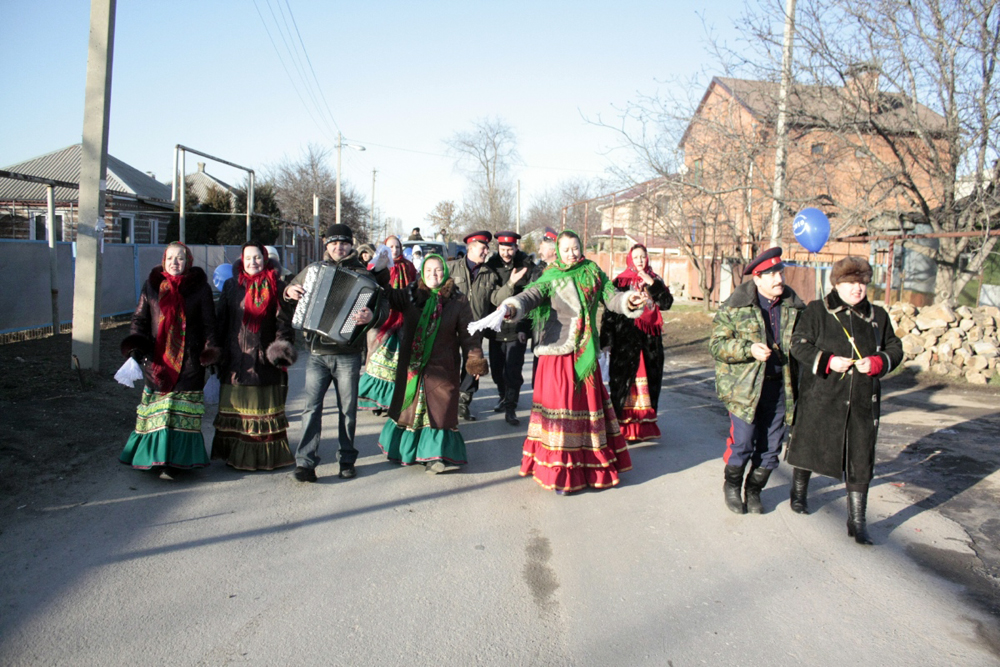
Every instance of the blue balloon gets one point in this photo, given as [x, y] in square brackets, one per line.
[812, 229]
[223, 272]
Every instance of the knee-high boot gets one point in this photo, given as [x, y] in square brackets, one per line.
[464, 409]
[857, 506]
[756, 481]
[732, 489]
[800, 487]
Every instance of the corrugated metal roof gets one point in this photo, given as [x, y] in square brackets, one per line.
[202, 181]
[64, 165]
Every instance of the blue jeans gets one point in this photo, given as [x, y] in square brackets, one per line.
[343, 370]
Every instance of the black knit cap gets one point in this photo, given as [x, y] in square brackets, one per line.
[338, 233]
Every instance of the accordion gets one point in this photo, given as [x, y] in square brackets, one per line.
[333, 296]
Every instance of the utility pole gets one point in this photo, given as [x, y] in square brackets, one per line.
[50, 218]
[340, 148]
[86, 348]
[371, 214]
[518, 230]
[781, 131]
[317, 244]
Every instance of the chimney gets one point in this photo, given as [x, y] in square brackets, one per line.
[151, 175]
[201, 167]
[862, 86]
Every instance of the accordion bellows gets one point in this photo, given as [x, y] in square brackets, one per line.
[333, 296]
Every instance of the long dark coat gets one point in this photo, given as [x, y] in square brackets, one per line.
[836, 420]
[245, 353]
[199, 338]
[452, 345]
[627, 341]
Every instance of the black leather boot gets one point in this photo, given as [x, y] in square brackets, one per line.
[756, 481]
[732, 489]
[501, 405]
[464, 400]
[800, 487]
[857, 506]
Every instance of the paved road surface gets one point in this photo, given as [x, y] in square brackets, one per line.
[479, 567]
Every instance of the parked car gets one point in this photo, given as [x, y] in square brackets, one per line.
[448, 250]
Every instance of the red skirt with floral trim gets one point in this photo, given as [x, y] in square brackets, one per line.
[638, 418]
[573, 438]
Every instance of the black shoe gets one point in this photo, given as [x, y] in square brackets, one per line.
[377, 412]
[857, 505]
[347, 471]
[511, 417]
[756, 481]
[732, 489]
[501, 406]
[465, 413]
[304, 474]
[800, 488]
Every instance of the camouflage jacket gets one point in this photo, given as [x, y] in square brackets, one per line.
[738, 324]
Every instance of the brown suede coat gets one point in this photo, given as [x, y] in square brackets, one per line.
[452, 345]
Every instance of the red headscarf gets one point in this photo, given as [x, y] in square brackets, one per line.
[651, 321]
[169, 352]
[401, 273]
[260, 299]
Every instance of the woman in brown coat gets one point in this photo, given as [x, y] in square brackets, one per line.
[434, 342]
[173, 337]
[257, 345]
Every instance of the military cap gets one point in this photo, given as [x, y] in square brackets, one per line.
[508, 238]
[481, 236]
[765, 262]
[550, 234]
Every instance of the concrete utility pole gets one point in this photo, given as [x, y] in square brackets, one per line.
[781, 131]
[340, 148]
[317, 243]
[93, 186]
[518, 230]
[371, 214]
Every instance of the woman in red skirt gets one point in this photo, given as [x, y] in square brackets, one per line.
[573, 438]
[636, 345]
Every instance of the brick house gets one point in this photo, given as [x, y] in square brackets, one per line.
[137, 207]
[839, 159]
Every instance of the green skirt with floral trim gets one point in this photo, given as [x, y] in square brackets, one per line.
[167, 431]
[376, 385]
[420, 443]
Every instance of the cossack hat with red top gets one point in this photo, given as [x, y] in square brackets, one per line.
[766, 262]
[550, 234]
[481, 236]
[508, 238]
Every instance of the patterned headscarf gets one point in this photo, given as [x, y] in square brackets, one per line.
[425, 334]
[401, 273]
[170, 330]
[651, 320]
[592, 286]
[261, 298]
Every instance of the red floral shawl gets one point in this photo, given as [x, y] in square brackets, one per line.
[651, 320]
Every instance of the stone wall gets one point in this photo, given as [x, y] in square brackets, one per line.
[960, 342]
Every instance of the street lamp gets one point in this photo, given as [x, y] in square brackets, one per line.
[340, 145]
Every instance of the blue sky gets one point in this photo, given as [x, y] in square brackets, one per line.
[394, 75]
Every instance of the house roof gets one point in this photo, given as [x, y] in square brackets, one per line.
[64, 165]
[820, 106]
[202, 182]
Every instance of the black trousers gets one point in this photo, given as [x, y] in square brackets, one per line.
[506, 364]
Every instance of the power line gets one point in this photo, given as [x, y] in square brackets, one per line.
[311, 69]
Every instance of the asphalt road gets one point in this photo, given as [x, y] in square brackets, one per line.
[480, 566]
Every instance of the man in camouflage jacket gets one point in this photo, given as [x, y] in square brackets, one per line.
[755, 377]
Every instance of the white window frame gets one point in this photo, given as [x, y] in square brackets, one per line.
[32, 236]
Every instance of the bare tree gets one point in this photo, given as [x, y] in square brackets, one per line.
[486, 155]
[924, 112]
[296, 182]
[447, 220]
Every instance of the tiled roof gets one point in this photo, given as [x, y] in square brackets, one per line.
[64, 165]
